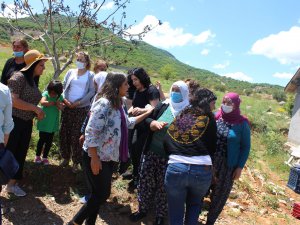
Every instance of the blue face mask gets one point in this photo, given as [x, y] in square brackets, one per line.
[18, 54]
[176, 97]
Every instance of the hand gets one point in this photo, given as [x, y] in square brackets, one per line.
[96, 165]
[237, 173]
[60, 105]
[81, 140]
[136, 111]
[158, 85]
[155, 125]
[39, 113]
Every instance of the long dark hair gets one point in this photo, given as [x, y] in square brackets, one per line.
[200, 100]
[28, 74]
[110, 89]
[142, 75]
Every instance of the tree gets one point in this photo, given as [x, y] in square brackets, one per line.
[168, 71]
[59, 22]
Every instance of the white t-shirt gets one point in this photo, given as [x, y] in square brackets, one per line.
[77, 86]
[198, 160]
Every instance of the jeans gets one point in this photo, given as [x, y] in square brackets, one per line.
[186, 185]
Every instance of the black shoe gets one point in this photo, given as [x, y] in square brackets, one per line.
[159, 221]
[134, 217]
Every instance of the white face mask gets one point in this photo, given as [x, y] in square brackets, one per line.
[80, 65]
[227, 108]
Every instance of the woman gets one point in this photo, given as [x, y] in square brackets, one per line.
[190, 143]
[145, 94]
[105, 144]
[78, 91]
[154, 160]
[25, 98]
[233, 147]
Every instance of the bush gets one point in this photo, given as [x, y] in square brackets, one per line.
[273, 142]
[279, 96]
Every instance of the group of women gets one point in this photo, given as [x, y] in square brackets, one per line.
[180, 146]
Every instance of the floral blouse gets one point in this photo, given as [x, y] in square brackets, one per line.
[104, 130]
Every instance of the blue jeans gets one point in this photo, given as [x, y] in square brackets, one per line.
[186, 185]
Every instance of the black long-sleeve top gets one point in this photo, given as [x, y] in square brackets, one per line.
[191, 134]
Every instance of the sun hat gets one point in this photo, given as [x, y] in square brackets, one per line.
[33, 56]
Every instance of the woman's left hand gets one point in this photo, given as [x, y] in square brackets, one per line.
[237, 173]
[96, 165]
[136, 111]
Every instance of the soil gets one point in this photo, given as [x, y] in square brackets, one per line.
[53, 199]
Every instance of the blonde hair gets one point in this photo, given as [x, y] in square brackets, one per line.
[100, 63]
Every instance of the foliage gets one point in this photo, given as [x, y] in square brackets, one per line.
[289, 105]
[168, 72]
[279, 96]
[63, 31]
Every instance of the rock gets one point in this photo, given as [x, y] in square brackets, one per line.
[233, 195]
[263, 212]
[233, 205]
[62, 58]
[282, 201]
[242, 208]
[235, 212]
[282, 103]
[12, 210]
[274, 214]
[26, 211]
[292, 200]
[248, 107]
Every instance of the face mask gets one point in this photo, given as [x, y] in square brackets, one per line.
[18, 54]
[80, 65]
[176, 97]
[227, 108]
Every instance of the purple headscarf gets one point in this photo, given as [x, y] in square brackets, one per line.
[235, 116]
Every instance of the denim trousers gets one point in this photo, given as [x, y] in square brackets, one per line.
[186, 185]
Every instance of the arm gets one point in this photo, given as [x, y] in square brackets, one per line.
[46, 103]
[8, 124]
[96, 164]
[20, 104]
[244, 152]
[161, 93]
[245, 145]
[4, 77]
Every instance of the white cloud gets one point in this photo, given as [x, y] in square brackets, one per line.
[283, 46]
[205, 51]
[165, 36]
[239, 76]
[9, 12]
[228, 53]
[108, 6]
[172, 8]
[283, 75]
[221, 65]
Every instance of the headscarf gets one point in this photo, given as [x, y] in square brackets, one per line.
[176, 108]
[235, 116]
[99, 79]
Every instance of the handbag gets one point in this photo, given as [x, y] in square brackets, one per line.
[8, 165]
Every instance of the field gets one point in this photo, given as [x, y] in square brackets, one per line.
[261, 193]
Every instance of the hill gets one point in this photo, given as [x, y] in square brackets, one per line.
[159, 63]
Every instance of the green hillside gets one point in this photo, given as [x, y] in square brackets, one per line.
[159, 63]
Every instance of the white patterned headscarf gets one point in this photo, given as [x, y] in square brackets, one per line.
[176, 108]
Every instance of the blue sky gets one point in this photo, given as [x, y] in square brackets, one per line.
[254, 40]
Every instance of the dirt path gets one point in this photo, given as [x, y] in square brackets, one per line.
[53, 198]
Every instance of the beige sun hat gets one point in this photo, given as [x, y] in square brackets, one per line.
[33, 56]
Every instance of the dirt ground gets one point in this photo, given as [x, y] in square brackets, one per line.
[54, 192]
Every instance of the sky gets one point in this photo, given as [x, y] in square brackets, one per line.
[252, 40]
